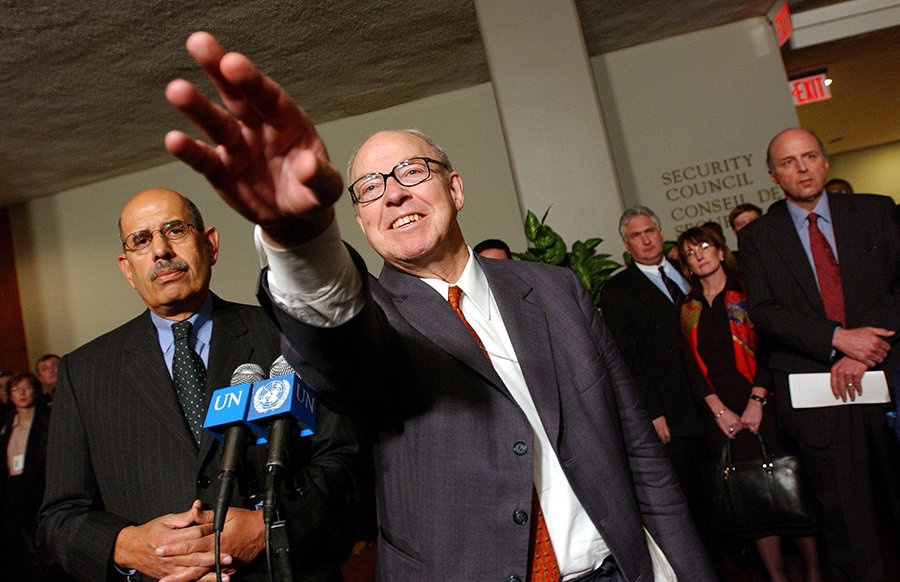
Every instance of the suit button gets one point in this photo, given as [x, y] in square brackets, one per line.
[520, 448]
[513, 579]
[204, 482]
[520, 517]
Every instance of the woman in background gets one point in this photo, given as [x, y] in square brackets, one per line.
[721, 361]
[23, 438]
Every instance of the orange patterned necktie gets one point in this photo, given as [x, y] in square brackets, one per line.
[543, 561]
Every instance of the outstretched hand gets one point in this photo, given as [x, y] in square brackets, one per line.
[269, 163]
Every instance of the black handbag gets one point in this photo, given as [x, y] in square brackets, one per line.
[756, 495]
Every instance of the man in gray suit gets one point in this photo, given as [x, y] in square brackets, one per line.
[509, 439]
[125, 464]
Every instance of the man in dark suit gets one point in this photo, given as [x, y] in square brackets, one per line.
[502, 412]
[125, 462]
[641, 307]
[822, 274]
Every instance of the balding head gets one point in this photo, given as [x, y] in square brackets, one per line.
[413, 228]
[798, 164]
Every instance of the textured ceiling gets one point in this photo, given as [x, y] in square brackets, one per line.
[82, 80]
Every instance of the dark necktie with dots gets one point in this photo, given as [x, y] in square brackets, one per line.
[189, 375]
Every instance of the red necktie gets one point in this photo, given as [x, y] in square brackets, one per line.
[827, 272]
[543, 561]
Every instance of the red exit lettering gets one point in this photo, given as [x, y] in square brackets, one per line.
[809, 89]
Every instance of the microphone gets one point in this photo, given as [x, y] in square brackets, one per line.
[276, 406]
[225, 420]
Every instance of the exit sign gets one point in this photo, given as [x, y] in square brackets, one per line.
[783, 25]
[809, 89]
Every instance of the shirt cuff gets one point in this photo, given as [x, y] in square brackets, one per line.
[315, 282]
[123, 572]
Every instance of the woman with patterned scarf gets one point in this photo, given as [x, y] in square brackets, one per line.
[721, 356]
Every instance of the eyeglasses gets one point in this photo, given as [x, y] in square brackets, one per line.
[139, 242]
[409, 172]
[702, 247]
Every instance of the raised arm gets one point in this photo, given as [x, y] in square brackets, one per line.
[267, 161]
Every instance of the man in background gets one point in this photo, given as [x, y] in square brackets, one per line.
[5, 406]
[46, 369]
[641, 305]
[742, 215]
[128, 457]
[493, 248]
[822, 274]
[838, 186]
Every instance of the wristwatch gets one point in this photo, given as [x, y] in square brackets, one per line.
[762, 400]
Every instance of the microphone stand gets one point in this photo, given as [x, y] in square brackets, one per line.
[278, 551]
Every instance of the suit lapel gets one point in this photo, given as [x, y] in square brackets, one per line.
[648, 293]
[145, 373]
[431, 315]
[784, 238]
[227, 351]
[529, 331]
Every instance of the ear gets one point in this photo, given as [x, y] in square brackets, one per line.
[774, 179]
[456, 191]
[125, 267]
[211, 239]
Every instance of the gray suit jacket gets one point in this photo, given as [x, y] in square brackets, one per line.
[121, 451]
[451, 467]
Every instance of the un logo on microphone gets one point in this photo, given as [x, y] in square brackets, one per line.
[271, 395]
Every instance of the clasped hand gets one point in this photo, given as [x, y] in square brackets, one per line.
[181, 547]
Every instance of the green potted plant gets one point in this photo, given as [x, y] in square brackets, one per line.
[547, 246]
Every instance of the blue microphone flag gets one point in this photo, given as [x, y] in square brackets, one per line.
[285, 395]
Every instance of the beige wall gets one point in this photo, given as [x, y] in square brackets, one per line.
[700, 98]
[874, 170]
[711, 99]
[66, 244]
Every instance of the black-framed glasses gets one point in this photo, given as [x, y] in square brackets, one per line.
[139, 242]
[409, 172]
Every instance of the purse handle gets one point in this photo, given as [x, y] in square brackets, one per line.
[727, 465]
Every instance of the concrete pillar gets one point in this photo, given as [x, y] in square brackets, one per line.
[550, 112]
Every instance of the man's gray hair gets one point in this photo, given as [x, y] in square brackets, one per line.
[441, 154]
[637, 211]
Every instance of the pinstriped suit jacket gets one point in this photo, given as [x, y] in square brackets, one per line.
[121, 451]
[454, 453]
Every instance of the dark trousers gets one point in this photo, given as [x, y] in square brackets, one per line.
[841, 478]
[607, 572]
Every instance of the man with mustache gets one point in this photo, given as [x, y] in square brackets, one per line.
[127, 458]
